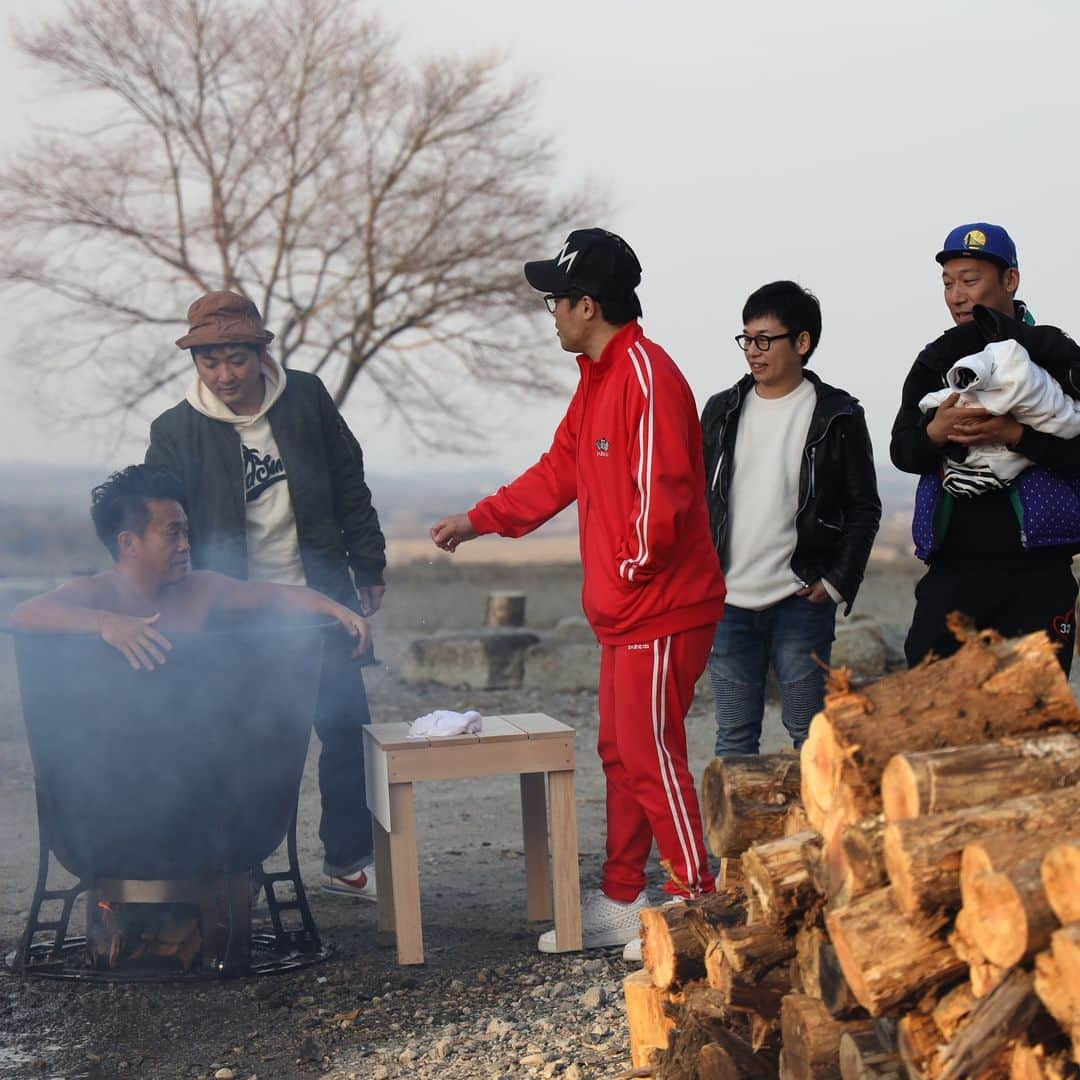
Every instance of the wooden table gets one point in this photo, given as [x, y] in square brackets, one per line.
[531, 744]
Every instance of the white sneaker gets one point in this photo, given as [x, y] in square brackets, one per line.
[632, 953]
[361, 886]
[604, 922]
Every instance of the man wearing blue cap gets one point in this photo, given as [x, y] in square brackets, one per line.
[1001, 556]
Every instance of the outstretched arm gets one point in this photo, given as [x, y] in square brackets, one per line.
[75, 608]
[234, 597]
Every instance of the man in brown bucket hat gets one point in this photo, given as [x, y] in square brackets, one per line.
[275, 491]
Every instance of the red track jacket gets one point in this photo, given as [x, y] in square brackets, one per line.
[629, 451]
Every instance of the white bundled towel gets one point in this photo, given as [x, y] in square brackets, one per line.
[1003, 379]
[442, 722]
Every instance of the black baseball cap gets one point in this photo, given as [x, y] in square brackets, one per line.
[592, 261]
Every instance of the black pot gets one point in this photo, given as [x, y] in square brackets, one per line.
[188, 770]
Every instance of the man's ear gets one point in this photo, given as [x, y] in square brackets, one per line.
[125, 541]
[1012, 280]
[803, 342]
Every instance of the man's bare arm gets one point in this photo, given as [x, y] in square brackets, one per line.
[232, 596]
[76, 608]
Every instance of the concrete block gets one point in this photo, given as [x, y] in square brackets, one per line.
[556, 664]
[482, 659]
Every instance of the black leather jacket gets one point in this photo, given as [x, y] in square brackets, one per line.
[839, 510]
[336, 523]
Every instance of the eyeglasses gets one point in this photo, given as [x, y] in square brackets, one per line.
[553, 298]
[762, 341]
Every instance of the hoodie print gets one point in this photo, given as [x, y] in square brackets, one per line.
[261, 471]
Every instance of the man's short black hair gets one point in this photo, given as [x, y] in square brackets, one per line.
[616, 311]
[120, 504]
[790, 304]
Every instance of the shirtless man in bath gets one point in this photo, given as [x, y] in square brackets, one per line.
[151, 589]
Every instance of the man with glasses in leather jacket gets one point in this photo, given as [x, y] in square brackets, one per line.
[794, 510]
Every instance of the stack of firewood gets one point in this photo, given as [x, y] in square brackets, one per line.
[903, 898]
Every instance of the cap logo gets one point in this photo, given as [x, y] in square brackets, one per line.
[976, 238]
[566, 258]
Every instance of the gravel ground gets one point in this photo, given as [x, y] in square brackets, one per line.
[485, 1004]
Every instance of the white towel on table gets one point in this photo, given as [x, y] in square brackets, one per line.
[443, 722]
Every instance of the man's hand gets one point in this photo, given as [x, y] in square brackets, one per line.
[816, 593]
[356, 627]
[452, 531]
[136, 638]
[370, 597]
[982, 427]
[971, 427]
[946, 419]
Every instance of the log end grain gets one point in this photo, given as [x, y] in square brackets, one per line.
[900, 790]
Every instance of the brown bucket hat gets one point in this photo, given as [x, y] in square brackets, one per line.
[224, 318]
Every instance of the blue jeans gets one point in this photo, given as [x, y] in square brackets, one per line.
[787, 636]
[340, 716]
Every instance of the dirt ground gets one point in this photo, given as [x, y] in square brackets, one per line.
[485, 1004]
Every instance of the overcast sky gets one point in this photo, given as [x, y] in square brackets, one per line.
[832, 142]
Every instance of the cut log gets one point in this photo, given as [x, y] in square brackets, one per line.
[649, 1025]
[718, 972]
[715, 1063]
[922, 855]
[936, 781]
[1061, 878]
[952, 1010]
[862, 1057]
[701, 1019]
[795, 820]
[759, 996]
[810, 940]
[988, 690]
[675, 936]
[1037, 1063]
[982, 975]
[992, 1025]
[745, 799]
[777, 874]
[855, 859]
[671, 948]
[1009, 914]
[835, 992]
[753, 950]
[820, 973]
[712, 913]
[917, 1042]
[1054, 993]
[886, 957]
[812, 1037]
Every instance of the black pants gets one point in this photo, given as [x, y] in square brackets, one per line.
[1013, 597]
[341, 712]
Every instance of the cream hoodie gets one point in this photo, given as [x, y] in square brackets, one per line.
[272, 543]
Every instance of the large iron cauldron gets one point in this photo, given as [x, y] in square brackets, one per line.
[188, 770]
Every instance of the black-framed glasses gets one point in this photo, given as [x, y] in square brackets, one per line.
[552, 299]
[762, 341]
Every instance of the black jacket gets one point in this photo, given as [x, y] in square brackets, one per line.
[913, 451]
[336, 524]
[839, 510]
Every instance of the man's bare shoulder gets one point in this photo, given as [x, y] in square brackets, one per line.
[93, 591]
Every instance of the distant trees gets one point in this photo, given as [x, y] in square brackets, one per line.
[377, 210]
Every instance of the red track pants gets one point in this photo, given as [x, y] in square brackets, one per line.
[645, 693]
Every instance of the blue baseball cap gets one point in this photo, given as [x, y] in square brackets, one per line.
[979, 240]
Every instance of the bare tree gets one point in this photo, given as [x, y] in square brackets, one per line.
[376, 211]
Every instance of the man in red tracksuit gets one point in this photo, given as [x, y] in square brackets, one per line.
[629, 450]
